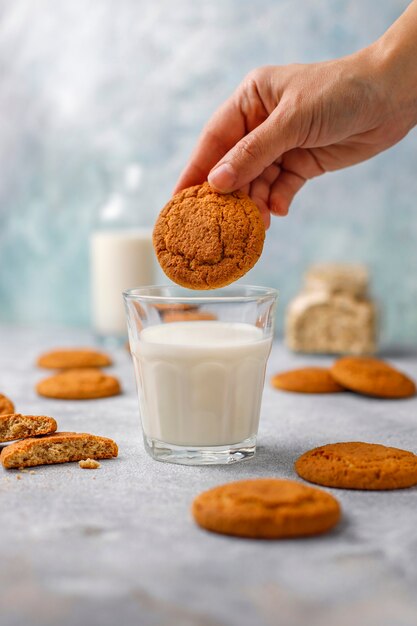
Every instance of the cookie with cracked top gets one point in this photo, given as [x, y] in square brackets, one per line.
[266, 508]
[372, 377]
[204, 239]
[358, 465]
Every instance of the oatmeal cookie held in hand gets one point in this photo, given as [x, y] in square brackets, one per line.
[204, 239]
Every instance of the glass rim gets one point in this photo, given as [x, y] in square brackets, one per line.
[259, 293]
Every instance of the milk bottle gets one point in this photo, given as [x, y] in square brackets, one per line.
[121, 256]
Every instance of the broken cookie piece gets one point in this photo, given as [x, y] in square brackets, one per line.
[60, 447]
[17, 426]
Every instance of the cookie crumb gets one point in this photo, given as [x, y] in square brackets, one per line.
[19, 477]
[89, 464]
[32, 472]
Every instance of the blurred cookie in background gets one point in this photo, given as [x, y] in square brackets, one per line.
[307, 380]
[189, 316]
[70, 358]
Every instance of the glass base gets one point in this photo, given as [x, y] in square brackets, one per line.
[201, 455]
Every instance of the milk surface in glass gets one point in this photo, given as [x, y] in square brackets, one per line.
[200, 383]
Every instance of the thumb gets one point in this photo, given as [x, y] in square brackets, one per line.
[251, 155]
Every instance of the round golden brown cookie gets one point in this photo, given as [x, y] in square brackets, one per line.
[372, 377]
[189, 316]
[266, 508]
[79, 384]
[70, 359]
[6, 405]
[357, 465]
[306, 380]
[204, 239]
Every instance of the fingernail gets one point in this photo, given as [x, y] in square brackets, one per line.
[222, 177]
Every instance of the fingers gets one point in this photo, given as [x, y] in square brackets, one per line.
[260, 190]
[283, 191]
[225, 128]
[297, 166]
[253, 154]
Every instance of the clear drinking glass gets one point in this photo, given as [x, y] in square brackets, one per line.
[200, 361]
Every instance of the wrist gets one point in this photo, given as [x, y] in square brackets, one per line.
[393, 60]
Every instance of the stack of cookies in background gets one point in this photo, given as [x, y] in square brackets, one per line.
[333, 314]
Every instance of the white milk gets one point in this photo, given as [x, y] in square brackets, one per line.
[200, 383]
[119, 260]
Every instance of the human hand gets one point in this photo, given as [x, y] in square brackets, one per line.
[286, 125]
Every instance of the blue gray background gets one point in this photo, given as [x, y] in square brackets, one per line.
[90, 90]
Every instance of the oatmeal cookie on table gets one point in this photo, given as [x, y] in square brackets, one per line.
[266, 508]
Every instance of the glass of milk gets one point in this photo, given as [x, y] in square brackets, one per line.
[200, 360]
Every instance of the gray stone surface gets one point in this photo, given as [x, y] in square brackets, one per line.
[118, 546]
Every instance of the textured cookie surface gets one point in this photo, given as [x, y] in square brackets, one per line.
[266, 508]
[70, 359]
[306, 380]
[79, 384]
[326, 323]
[204, 239]
[57, 448]
[357, 465]
[17, 426]
[372, 377]
[6, 405]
